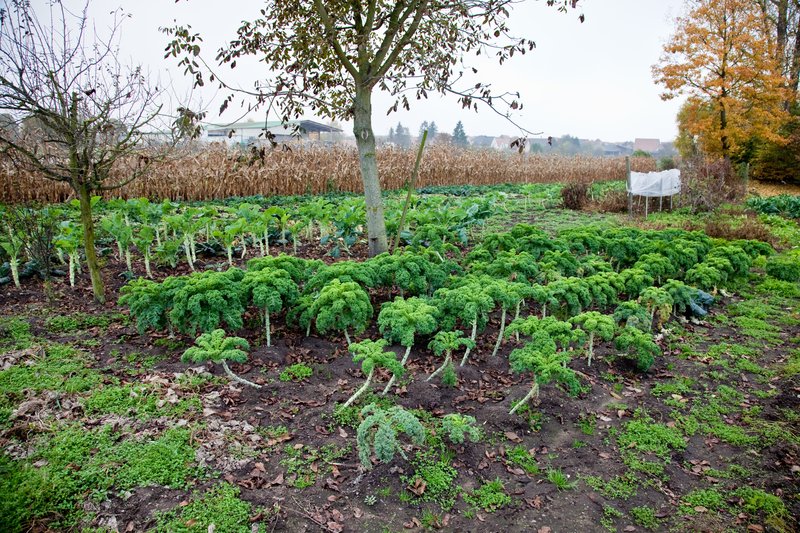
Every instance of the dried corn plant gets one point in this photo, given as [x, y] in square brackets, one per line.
[215, 172]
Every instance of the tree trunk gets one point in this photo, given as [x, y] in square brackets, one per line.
[88, 244]
[365, 140]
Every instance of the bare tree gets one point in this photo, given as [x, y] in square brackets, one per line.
[329, 56]
[79, 116]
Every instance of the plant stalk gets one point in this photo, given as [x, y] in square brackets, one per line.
[472, 338]
[236, 378]
[394, 378]
[533, 393]
[360, 391]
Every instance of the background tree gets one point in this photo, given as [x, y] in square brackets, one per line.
[82, 116]
[459, 135]
[422, 127]
[433, 130]
[782, 21]
[328, 58]
[402, 137]
[722, 58]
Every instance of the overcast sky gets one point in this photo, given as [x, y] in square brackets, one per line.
[589, 80]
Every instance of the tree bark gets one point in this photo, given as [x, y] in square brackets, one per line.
[85, 200]
[365, 140]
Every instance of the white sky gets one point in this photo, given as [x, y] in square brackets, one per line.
[589, 80]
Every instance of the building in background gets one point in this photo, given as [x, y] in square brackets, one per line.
[254, 132]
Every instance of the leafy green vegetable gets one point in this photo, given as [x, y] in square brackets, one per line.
[379, 431]
[342, 306]
[271, 290]
[371, 354]
[218, 348]
[402, 320]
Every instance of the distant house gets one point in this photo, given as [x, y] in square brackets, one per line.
[615, 150]
[502, 143]
[650, 146]
[481, 141]
[254, 132]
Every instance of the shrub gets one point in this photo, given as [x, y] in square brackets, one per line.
[402, 320]
[298, 268]
[705, 276]
[343, 271]
[575, 196]
[468, 304]
[784, 267]
[593, 323]
[443, 343]
[408, 272]
[150, 302]
[706, 184]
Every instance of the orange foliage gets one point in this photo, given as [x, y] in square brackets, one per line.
[723, 56]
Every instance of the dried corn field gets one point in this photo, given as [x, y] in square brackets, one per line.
[220, 173]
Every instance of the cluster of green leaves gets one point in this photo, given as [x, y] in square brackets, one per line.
[379, 430]
[220, 508]
[75, 464]
[785, 267]
[342, 306]
[459, 427]
[490, 496]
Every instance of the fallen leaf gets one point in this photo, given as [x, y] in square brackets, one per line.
[536, 502]
[419, 486]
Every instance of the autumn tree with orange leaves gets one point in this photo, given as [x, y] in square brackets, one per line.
[723, 56]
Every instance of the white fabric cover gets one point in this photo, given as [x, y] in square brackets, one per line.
[655, 184]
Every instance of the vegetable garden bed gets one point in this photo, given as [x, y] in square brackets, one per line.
[682, 421]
